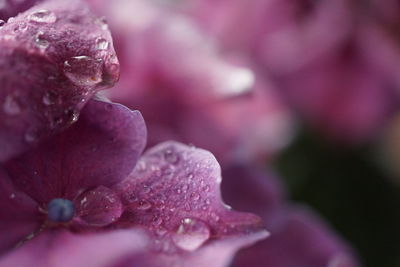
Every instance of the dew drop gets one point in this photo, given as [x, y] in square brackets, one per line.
[40, 41]
[195, 196]
[101, 43]
[11, 106]
[102, 22]
[185, 188]
[82, 70]
[191, 234]
[49, 98]
[71, 116]
[206, 188]
[144, 205]
[21, 27]
[146, 189]
[43, 16]
[141, 166]
[171, 157]
[157, 221]
[10, 19]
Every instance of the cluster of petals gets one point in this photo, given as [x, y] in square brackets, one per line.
[191, 109]
[82, 193]
[76, 188]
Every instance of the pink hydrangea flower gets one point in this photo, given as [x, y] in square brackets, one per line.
[81, 182]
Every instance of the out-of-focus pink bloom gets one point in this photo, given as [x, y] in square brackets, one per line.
[53, 58]
[81, 181]
[298, 237]
[189, 90]
[333, 60]
[11, 8]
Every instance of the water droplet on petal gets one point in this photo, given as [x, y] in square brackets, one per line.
[21, 27]
[43, 16]
[71, 116]
[83, 70]
[101, 43]
[157, 220]
[191, 234]
[195, 196]
[102, 22]
[146, 189]
[40, 41]
[31, 135]
[49, 98]
[10, 19]
[11, 106]
[141, 166]
[144, 205]
[171, 157]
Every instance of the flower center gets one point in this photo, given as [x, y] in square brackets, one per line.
[60, 210]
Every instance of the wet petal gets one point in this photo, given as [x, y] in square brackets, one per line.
[53, 58]
[100, 149]
[64, 249]
[174, 193]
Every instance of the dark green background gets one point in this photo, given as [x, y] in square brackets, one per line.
[350, 189]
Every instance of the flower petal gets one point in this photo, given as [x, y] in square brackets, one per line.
[174, 193]
[100, 149]
[53, 58]
[17, 214]
[215, 254]
[64, 249]
[302, 241]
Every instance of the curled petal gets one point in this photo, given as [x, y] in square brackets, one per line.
[250, 188]
[64, 249]
[302, 240]
[53, 58]
[174, 193]
[101, 149]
